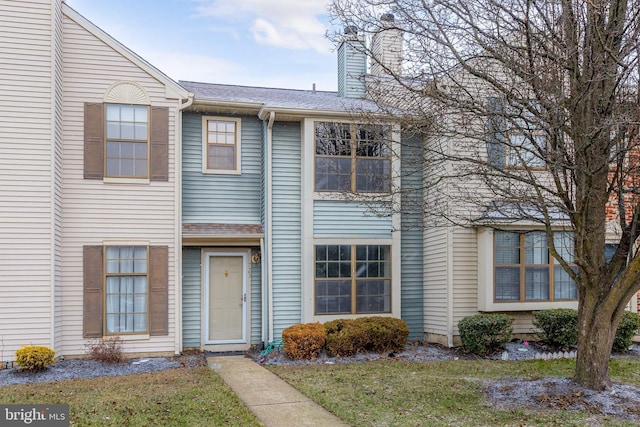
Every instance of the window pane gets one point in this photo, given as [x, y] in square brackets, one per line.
[333, 139]
[373, 175]
[371, 141]
[564, 286]
[321, 253]
[113, 130]
[113, 113]
[333, 296]
[333, 174]
[507, 247]
[141, 114]
[139, 323]
[536, 283]
[221, 157]
[127, 131]
[507, 283]
[373, 296]
[140, 284]
[536, 250]
[563, 241]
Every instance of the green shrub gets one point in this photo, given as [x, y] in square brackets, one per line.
[304, 341]
[384, 334]
[107, 350]
[484, 333]
[559, 327]
[346, 337]
[34, 357]
[627, 328]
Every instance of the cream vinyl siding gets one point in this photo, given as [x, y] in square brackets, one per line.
[465, 275]
[26, 171]
[435, 281]
[94, 211]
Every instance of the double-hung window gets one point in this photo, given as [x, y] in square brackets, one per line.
[526, 271]
[127, 142]
[352, 279]
[221, 145]
[126, 289]
[352, 158]
[516, 138]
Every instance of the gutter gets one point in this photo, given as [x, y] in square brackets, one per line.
[178, 223]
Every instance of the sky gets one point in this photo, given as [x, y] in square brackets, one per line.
[266, 43]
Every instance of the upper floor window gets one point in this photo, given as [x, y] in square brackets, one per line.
[127, 141]
[352, 157]
[221, 145]
[516, 138]
[525, 270]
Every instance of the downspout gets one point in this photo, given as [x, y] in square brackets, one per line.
[263, 320]
[178, 225]
[269, 207]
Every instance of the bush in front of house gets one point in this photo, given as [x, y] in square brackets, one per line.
[627, 328]
[384, 334]
[346, 337]
[34, 357]
[303, 341]
[559, 327]
[107, 350]
[484, 333]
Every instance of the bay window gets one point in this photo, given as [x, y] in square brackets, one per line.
[524, 269]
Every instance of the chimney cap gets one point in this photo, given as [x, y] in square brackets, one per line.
[351, 30]
[388, 17]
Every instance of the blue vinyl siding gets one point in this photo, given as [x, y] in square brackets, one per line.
[348, 220]
[286, 217]
[352, 67]
[191, 303]
[217, 198]
[412, 252]
[256, 303]
[191, 298]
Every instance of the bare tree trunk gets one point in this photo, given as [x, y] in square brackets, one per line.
[595, 341]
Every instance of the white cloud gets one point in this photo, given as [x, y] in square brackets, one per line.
[191, 67]
[292, 24]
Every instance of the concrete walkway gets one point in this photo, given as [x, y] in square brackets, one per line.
[274, 402]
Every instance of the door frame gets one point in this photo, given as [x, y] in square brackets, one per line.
[225, 345]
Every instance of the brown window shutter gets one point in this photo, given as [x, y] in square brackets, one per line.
[93, 140]
[159, 144]
[92, 267]
[159, 290]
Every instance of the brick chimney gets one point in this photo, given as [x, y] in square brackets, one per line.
[352, 65]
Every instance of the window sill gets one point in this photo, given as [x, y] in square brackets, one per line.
[139, 337]
[221, 172]
[139, 181]
[527, 306]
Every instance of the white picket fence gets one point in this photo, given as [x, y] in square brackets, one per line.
[547, 356]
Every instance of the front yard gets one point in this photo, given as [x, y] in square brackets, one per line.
[448, 393]
[175, 397]
[386, 392]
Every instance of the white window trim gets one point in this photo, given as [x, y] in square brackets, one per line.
[486, 283]
[238, 169]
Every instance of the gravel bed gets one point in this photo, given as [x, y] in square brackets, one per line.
[75, 368]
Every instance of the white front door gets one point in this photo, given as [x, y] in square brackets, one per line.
[225, 298]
